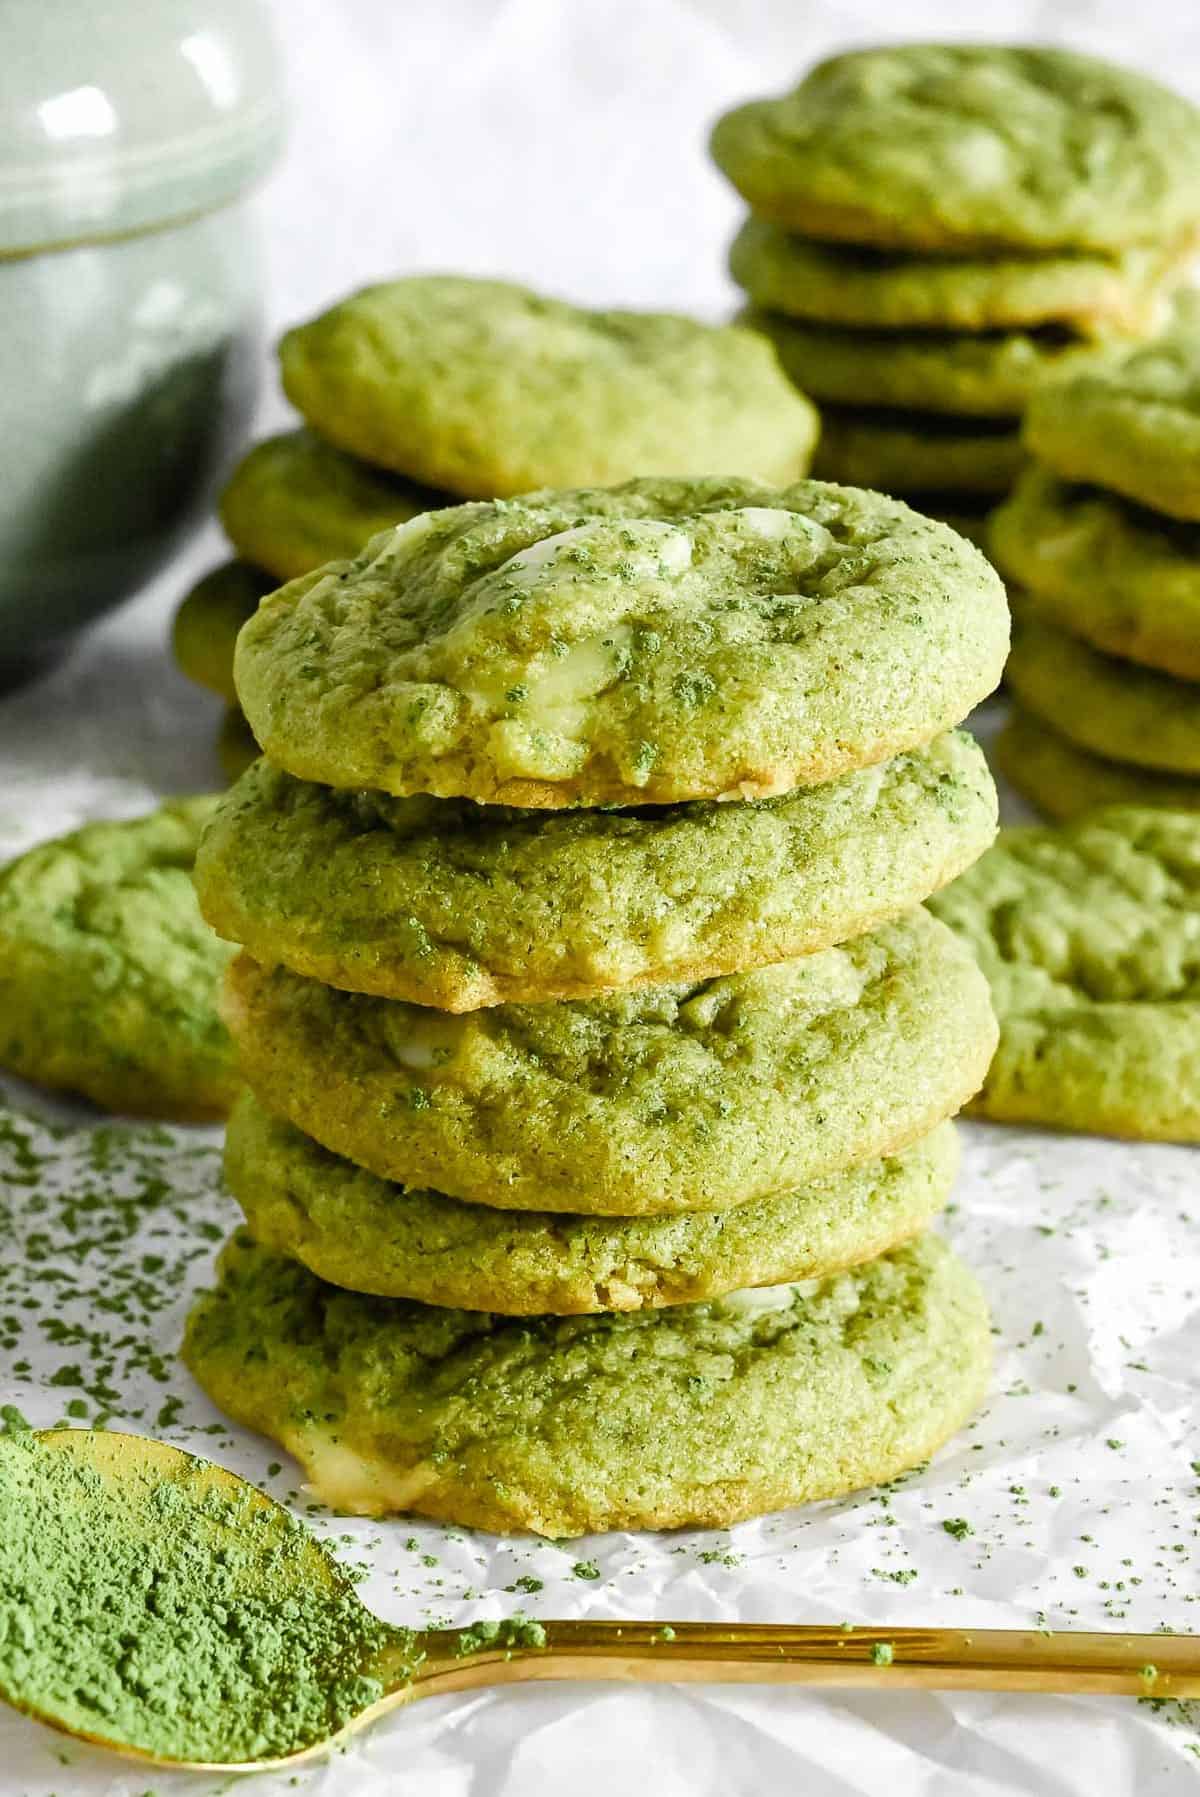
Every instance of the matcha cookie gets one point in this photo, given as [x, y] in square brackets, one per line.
[1111, 708]
[986, 375]
[965, 147]
[917, 452]
[696, 1416]
[207, 624]
[447, 903]
[236, 747]
[1064, 781]
[659, 641]
[671, 1098]
[869, 289]
[1133, 424]
[487, 388]
[369, 1235]
[108, 973]
[1088, 935]
[1125, 580]
[294, 502]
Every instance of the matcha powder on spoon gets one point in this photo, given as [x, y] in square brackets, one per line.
[160, 1607]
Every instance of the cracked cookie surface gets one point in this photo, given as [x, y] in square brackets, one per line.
[677, 1097]
[371, 1235]
[486, 388]
[447, 903]
[698, 1415]
[969, 146]
[660, 641]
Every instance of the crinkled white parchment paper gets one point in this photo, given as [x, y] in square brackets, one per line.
[564, 144]
[1078, 1483]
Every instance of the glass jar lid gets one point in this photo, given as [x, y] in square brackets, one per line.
[120, 115]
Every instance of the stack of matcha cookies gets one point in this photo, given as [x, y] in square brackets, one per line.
[1103, 533]
[421, 392]
[937, 229]
[600, 1051]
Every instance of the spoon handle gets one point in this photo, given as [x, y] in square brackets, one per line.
[762, 1653]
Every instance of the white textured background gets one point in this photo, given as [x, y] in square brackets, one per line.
[563, 141]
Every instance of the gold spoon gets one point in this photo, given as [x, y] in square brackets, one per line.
[157, 1519]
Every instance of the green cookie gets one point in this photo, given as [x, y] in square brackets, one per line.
[1125, 580]
[1087, 934]
[1132, 424]
[986, 375]
[295, 502]
[696, 1416]
[1111, 708]
[236, 747]
[108, 974]
[370, 1235]
[447, 903]
[1065, 781]
[668, 1099]
[486, 388]
[970, 147]
[868, 289]
[207, 623]
[659, 641]
[917, 452]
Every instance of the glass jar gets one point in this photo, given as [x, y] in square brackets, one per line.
[130, 134]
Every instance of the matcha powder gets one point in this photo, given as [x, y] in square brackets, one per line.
[167, 1613]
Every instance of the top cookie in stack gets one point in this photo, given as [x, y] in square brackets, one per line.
[421, 392]
[936, 229]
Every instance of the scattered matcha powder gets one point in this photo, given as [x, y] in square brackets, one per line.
[108, 1230]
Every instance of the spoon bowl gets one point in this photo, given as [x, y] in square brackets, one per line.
[216, 1633]
[161, 1605]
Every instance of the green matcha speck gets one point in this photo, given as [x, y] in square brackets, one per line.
[500, 1636]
